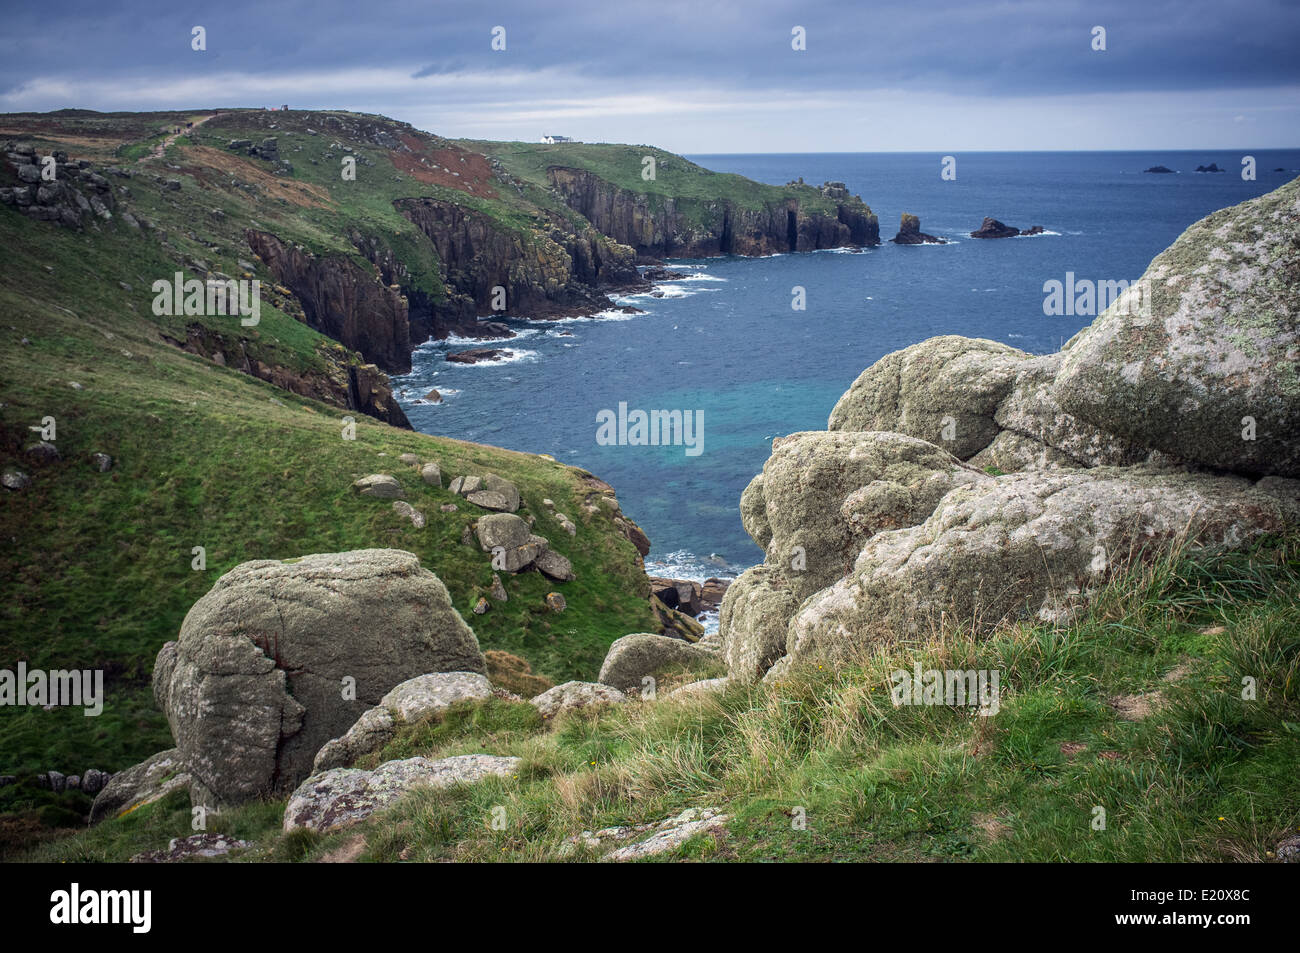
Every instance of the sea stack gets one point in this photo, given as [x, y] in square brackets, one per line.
[909, 233]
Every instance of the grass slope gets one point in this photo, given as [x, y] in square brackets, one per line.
[96, 567]
[1205, 776]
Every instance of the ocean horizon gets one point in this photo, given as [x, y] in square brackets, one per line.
[726, 343]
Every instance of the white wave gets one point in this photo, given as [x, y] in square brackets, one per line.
[1043, 233]
[609, 315]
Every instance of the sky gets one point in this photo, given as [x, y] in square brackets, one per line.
[698, 76]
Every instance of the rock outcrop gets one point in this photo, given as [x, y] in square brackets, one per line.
[342, 299]
[660, 226]
[412, 700]
[149, 781]
[992, 228]
[280, 657]
[336, 799]
[1204, 362]
[633, 657]
[1113, 450]
[909, 233]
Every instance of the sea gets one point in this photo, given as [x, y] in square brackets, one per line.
[727, 344]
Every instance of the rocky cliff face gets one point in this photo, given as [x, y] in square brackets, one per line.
[360, 387]
[342, 300]
[561, 272]
[666, 231]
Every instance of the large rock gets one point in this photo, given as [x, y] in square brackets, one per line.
[755, 613]
[280, 657]
[945, 390]
[1031, 412]
[149, 781]
[576, 695]
[1216, 341]
[345, 796]
[633, 657]
[380, 485]
[1030, 545]
[825, 493]
[410, 701]
[514, 539]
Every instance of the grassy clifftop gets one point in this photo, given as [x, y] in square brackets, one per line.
[1124, 736]
[96, 566]
[623, 166]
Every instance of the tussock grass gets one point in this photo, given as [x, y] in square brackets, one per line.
[1205, 776]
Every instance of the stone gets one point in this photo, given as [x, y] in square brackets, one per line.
[421, 696]
[489, 500]
[633, 657]
[505, 488]
[482, 605]
[702, 688]
[379, 485]
[410, 459]
[93, 781]
[252, 688]
[753, 619]
[554, 566]
[407, 511]
[945, 390]
[672, 833]
[1032, 545]
[196, 845]
[1206, 343]
[15, 479]
[149, 781]
[555, 602]
[412, 700]
[42, 453]
[576, 695]
[510, 540]
[498, 590]
[101, 462]
[341, 797]
[431, 474]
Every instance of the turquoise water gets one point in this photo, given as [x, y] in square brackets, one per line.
[727, 344]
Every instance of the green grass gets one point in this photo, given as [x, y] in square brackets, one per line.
[1206, 776]
[697, 190]
[96, 567]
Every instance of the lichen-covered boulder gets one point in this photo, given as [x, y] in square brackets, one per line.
[149, 781]
[280, 657]
[339, 798]
[1030, 412]
[755, 614]
[945, 390]
[410, 701]
[1203, 362]
[753, 512]
[825, 493]
[576, 695]
[1033, 544]
[510, 540]
[633, 657]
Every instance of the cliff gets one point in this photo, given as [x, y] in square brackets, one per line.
[673, 227]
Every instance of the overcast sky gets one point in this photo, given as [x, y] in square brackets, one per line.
[696, 76]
